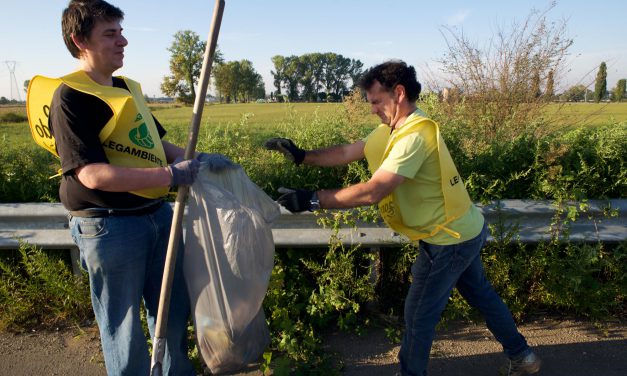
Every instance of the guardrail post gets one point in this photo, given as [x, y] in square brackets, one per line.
[75, 259]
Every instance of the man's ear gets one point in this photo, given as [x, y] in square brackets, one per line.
[79, 42]
[400, 92]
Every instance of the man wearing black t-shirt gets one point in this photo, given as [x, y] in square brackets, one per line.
[116, 171]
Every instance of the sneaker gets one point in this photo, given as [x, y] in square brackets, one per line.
[526, 365]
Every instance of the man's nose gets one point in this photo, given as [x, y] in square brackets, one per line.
[122, 41]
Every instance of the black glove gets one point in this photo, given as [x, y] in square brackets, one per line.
[183, 171]
[216, 162]
[287, 147]
[295, 200]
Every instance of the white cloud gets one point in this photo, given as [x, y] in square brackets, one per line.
[458, 18]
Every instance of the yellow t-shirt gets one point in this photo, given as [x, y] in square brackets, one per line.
[415, 157]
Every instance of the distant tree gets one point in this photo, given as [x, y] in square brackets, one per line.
[600, 84]
[249, 82]
[278, 73]
[291, 77]
[26, 83]
[317, 61]
[355, 71]
[549, 92]
[237, 81]
[307, 68]
[225, 80]
[187, 52]
[576, 93]
[304, 77]
[619, 90]
[4, 100]
[534, 91]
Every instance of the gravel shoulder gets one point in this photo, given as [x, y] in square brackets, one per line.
[568, 347]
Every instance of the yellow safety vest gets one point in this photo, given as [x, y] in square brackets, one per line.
[456, 198]
[129, 139]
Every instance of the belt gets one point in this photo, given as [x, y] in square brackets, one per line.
[103, 212]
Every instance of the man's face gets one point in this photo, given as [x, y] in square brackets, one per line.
[104, 48]
[382, 102]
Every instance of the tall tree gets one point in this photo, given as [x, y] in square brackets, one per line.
[534, 91]
[278, 73]
[549, 92]
[307, 75]
[237, 81]
[186, 57]
[306, 68]
[341, 76]
[619, 90]
[330, 70]
[225, 80]
[355, 72]
[291, 76]
[600, 85]
[576, 93]
[317, 61]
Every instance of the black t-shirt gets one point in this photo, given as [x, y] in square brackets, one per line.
[76, 119]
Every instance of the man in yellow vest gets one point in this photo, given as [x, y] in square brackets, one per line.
[115, 172]
[421, 195]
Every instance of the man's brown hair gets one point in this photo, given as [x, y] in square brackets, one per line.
[390, 74]
[79, 19]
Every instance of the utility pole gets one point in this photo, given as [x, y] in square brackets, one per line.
[11, 65]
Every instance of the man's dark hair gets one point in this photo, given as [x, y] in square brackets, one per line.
[390, 74]
[79, 19]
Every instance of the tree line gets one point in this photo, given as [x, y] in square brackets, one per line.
[310, 77]
[581, 93]
[314, 77]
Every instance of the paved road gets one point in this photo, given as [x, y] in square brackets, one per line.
[568, 348]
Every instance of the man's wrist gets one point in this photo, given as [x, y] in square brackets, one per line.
[314, 202]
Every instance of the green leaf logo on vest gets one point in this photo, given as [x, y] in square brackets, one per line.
[140, 137]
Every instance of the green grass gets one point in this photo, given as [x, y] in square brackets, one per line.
[258, 114]
[573, 115]
[262, 118]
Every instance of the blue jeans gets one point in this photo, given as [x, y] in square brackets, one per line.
[436, 271]
[124, 257]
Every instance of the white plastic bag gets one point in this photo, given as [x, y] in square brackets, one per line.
[229, 255]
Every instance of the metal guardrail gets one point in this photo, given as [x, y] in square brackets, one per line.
[46, 225]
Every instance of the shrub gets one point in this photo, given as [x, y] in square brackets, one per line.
[12, 117]
[39, 290]
[25, 173]
[496, 89]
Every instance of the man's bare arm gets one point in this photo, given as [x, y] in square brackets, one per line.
[335, 155]
[371, 192]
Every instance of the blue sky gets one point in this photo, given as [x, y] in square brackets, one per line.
[371, 31]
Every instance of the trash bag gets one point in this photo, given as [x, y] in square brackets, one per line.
[229, 256]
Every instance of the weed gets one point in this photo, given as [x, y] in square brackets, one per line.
[38, 290]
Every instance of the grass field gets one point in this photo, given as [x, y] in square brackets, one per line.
[262, 118]
[254, 117]
[573, 115]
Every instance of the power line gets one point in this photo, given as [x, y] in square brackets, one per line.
[11, 65]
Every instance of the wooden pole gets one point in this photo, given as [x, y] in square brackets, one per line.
[159, 341]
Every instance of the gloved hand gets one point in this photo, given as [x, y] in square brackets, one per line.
[287, 147]
[295, 200]
[183, 171]
[216, 162]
